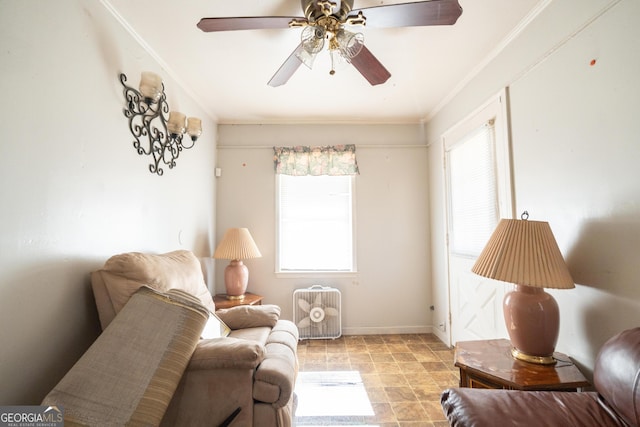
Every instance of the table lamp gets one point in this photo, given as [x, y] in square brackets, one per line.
[526, 254]
[236, 245]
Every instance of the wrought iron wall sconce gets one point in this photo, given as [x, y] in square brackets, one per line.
[156, 134]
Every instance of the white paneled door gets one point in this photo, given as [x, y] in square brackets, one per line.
[476, 303]
[477, 169]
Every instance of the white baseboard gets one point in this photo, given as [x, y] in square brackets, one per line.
[444, 337]
[386, 330]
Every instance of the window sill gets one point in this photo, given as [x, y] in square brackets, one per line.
[315, 274]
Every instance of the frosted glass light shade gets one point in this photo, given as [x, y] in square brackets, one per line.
[150, 85]
[194, 127]
[307, 58]
[350, 43]
[176, 123]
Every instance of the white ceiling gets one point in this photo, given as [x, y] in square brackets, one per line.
[227, 72]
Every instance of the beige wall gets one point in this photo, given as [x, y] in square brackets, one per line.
[74, 192]
[73, 189]
[575, 158]
[390, 292]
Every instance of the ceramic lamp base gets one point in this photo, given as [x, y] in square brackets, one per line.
[236, 278]
[540, 360]
[533, 320]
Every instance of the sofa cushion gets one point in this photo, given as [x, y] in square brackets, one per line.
[227, 353]
[250, 316]
[124, 274]
[259, 334]
[286, 333]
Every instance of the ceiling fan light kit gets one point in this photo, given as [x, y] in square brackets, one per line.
[325, 20]
[155, 134]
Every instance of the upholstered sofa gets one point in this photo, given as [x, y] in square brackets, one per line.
[129, 374]
[247, 376]
[616, 401]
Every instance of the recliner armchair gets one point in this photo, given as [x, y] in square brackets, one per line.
[247, 376]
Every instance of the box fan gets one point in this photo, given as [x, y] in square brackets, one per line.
[316, 312]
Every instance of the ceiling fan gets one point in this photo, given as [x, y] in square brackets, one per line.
[333, 23]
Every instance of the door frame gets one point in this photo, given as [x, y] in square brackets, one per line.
[497, 108]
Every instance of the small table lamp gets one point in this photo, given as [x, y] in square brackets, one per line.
[525, 253]
[236, 245]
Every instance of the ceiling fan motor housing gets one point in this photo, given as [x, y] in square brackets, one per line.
[314, 9]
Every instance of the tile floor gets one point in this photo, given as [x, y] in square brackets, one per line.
[403, 376]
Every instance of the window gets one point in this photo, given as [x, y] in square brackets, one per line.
[315, 223]
[473, 193]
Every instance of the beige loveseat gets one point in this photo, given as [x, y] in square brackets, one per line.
[248, 375]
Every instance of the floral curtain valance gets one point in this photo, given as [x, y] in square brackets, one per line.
[326, 160]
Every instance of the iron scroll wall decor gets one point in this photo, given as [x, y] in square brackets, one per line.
[156, 134]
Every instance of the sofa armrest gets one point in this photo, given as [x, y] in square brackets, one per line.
[275, 378]
[250, 316]
[465, 407]
[226, 353]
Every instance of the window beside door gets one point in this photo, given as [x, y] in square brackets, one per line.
[473, 195]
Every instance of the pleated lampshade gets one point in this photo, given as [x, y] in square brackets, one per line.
[237, 243]
[526, 253]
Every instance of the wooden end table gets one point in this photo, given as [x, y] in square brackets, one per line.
[489, 364]
[221, 301]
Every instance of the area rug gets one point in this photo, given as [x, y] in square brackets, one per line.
[331, 395]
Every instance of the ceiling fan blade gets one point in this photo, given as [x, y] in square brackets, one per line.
[246, 23]
[370, 67]
[422, 13]
[287, 69]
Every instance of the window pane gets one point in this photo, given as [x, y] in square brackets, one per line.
[315, 217]
[474, 201]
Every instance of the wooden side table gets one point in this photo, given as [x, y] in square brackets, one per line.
[221, 301]
[489, 364]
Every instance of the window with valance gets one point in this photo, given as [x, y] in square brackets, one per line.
[325, 160]
[315, 208]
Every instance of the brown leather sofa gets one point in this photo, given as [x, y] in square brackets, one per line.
[616, 401]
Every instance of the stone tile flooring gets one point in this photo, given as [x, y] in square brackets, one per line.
[403, 376]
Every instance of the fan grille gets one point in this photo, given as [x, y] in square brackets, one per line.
[317, 312]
